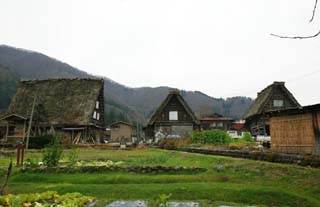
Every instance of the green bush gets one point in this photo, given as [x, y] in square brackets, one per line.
[168, 143]
[49, 198]
[72, 157]
[215, 137]
[39, 142]
[52, 153]
[248, 138]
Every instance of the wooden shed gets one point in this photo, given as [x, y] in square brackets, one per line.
[296, 130]
[173, 119]
[275, 97]
[121, 131]
[72, 106]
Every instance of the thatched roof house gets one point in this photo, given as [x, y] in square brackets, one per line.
[275, 97]
[66, 104]
[173, 118]
[296, 130]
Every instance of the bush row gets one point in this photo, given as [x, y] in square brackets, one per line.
[215, 137]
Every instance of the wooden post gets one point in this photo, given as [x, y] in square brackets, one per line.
[24, 131]
[30, 122]
[7, 132]
[316, 131]
[20, 154]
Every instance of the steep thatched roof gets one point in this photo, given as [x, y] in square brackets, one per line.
[258, 107]
[58, 101]
[166, 101]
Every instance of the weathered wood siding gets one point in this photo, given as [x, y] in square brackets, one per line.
[100, 110]
[121, 132]
[174, 105]
[279, 94]
[292, 134]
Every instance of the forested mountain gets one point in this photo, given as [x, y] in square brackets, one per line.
[122, 103]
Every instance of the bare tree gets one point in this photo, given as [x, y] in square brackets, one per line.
[303, 37]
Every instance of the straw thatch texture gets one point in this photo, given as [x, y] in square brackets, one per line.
[263, 103]
[292, 134]
[58, 101]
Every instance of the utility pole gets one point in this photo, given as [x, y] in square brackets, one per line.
[30, 122]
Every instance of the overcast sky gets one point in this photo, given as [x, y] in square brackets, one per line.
[220, 47]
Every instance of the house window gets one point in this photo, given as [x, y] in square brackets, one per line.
[278, 103]
[98, 116]
[213, 124]
[173, 115]
[94, 115]
[220, 124]
[11, 131]
[97, 104]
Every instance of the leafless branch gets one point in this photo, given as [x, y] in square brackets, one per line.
[297, 37]
[302, 37]
[314, 11]
[6, 179]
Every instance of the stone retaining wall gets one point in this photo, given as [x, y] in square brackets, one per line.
[97, 169]
[307, 160]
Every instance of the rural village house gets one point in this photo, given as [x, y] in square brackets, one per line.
[173, 118]
[273, 98]
[121, 131]
[72, 106]
[296, 130]
[216, 121]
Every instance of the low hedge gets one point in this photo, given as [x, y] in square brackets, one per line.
[215, 137]
[41, 141]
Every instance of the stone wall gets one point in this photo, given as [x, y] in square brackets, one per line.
[307, 160]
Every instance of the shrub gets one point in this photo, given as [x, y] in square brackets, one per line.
[52, 153]
[168, 143]
[215, 137]
[39, 142]
[72, 157]
[248, 138]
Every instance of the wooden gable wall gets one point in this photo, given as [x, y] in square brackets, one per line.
[100, 110]
[174, 105]
[279, 94]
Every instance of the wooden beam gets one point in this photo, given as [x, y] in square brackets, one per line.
[30, 123]
[7, 132]
[316, 131]
[24, 130]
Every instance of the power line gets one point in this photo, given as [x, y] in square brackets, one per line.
[287, 81]
[303, 76]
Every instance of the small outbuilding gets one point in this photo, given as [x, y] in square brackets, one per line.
[173, 119]
[121, 132]
[296, 130]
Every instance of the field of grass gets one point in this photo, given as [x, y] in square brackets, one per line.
[227, 180]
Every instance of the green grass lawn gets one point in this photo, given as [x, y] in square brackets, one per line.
[239, 181]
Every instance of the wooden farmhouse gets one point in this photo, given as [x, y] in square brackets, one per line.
[72, 106]
[275, 97]
[173, 119]
[216, 121]
[121, 132]
[296, 130]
